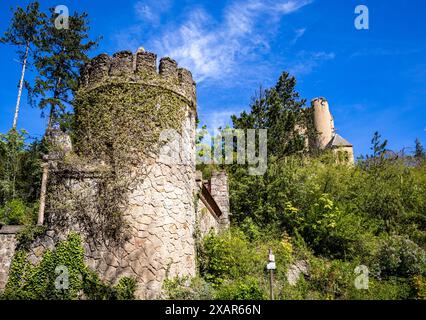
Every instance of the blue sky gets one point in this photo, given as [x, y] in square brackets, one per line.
[374, 79]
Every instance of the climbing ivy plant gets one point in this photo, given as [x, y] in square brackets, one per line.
[45, 280]
[116, 135]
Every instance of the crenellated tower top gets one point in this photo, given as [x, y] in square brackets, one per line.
[140, 67]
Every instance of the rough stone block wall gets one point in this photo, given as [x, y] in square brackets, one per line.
[160, 222]
[345, 154]
[206, 221]
[220, 192]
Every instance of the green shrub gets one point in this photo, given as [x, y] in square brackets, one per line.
[231, 256]
[245, 289]
[250, 229]
[185, 288]
[15, 212]
[331, 278]
[227, 256]
[419, 284]
[399, 256]
[125, 288]
[390, 289]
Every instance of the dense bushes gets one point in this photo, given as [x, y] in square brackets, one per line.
[332, 216]
[15, 211]
[325, 201]
[246, 288]
[233, 267]
[399, 256]
[20, 175]
[185, 288]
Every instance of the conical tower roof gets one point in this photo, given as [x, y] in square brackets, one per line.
[338, 141]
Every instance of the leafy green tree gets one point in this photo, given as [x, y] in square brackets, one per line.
[12, 146]
[15, 212]
[61, 53]
[23, 33]
[378, 153]
[20, 169]
[280, 110]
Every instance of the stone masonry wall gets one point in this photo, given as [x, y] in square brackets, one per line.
[7, 250]
[220, 192]
[206, 221]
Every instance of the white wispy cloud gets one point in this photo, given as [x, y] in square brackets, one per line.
[229, 46]
[151, 10]
[298, 34]
[211, 48]
[386, 52]
[219, 119]
[307, 61]
[291, 6]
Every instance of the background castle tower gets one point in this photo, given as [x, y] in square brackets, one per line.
[134, 211]
[323, 121]
[327, 136]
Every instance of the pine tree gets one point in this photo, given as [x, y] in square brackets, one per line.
[22, 33]
[280, 110]
[62, 51]
[419, 153]
[378, 146]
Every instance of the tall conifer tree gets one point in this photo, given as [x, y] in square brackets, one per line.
[22, 33]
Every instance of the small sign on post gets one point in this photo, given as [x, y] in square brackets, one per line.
[271, 261]
[271, 267]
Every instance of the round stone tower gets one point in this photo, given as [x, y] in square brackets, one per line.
[134, 211]
[160, 208]
[323, 121]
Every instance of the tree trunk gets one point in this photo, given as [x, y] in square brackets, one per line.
[21, 85]
[52, 116]
[40, 220]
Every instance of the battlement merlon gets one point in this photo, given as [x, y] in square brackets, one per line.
[320, 100]
[140, 67]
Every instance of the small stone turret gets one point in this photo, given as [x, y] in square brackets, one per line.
[219, 191]
[327, 136]
[323, 121]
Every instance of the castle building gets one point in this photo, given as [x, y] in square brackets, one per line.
[138, 214]
[126, 180]
[327, 136]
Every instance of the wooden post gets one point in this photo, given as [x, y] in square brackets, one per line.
[271, 267]
[40, 219]
[271, 277]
